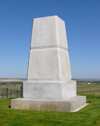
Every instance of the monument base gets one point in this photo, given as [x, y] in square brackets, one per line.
[71, 105]
[51, 90]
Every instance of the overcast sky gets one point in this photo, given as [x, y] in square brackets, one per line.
[82, 19]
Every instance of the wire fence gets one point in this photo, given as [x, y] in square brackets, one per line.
[9, 93]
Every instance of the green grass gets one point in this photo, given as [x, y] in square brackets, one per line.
[88, 116]
[90, 90]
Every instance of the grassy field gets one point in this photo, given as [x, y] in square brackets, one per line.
[88, 116]
[90, 90]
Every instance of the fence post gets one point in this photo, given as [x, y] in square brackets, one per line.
[2, 95]
[17, 93]
[21, 91]
[7, 93]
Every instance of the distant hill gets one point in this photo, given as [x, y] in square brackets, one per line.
[12, 79]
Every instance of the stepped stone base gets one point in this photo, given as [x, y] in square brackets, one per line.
[71, 105]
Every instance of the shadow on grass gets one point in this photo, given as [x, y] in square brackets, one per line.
[10, 99]
[9, 106]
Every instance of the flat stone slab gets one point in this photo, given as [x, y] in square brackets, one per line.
[71, 105]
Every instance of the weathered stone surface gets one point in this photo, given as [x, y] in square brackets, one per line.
[49, 64]
[49, 58]
[48, 32]
[71, 104]
[55, 90]
[49, 85]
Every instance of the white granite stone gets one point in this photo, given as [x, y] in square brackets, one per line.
[49, 85]
[64, 65]
[43, 65]
[48, 32]
[49, 64]
[73, 104]
[56, 90]
[49, 58]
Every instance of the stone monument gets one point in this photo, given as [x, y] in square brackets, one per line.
[49, 85]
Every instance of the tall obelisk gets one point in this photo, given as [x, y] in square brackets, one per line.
[49, 85]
